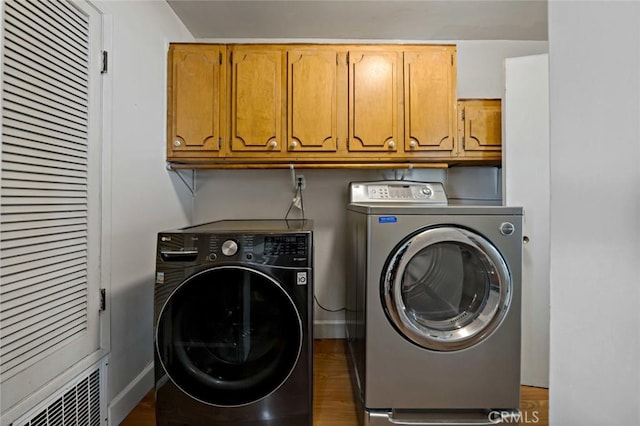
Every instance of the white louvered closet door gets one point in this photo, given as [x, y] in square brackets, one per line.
[50, 201]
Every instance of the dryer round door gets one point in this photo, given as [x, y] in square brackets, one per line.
[446, 288]
[229, 336]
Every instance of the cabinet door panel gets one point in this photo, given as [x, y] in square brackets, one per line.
[373, 101]
[256, 101]
[429, 100]
[482, 125]
[312, 106]
[195, 98]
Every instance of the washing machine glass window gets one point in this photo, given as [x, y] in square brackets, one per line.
[446, 288]
[229, 336]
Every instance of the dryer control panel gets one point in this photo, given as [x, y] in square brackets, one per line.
[398, 192]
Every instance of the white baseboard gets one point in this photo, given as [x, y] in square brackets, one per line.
[329, 329]
[120, 407]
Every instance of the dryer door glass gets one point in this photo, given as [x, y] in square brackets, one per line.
[446, 288]
[229, 336]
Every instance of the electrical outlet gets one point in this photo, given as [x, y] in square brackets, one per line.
[301, 181]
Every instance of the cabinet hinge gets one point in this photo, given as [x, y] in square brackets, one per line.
[103, 299]
[231, 58]
[220, 142]
[452, 59]
[220, 58]
[105, 62]
[463, 114]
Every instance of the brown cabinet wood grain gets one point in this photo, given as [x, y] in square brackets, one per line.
[429, 100]
[480, 128]
[256, 100]
[313, 104]
[195, 100]
[374, 101]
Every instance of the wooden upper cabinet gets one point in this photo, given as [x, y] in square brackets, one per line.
[257, 99]
[195, 100]
[312, 107]
[374, 101]
[480, 127]
[429, 99]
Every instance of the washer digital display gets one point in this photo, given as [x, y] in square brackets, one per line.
[292, 245]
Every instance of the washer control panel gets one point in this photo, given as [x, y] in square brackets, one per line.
[398, 192]
[287, 249]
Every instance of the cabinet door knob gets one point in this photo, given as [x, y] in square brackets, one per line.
[392, 144]
[294, 144]
[177, 143]
[273, 144]
[413, 144]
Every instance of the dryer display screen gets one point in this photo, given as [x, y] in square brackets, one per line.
[293, 245]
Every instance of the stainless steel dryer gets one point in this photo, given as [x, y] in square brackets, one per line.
[233, 324]
[433, 306]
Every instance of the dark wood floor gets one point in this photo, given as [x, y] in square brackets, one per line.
[333, 400]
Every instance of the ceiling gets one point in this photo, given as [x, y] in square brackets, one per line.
[411, 20]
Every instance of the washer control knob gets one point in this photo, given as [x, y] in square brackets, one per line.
[229, 248]
[426, 191]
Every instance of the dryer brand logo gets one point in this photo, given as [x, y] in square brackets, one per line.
[387, 219]
[509, 417]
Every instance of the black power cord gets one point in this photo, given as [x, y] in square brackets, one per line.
[326, 309]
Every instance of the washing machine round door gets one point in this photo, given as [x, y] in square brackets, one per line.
[446, 288]
[229, 336]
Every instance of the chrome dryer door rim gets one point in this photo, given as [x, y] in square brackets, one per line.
[446, 288]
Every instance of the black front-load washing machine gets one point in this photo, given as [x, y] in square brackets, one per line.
[233, 324]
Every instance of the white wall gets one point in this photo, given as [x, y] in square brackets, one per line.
[481, 65]
[145, 198]
[595, 212]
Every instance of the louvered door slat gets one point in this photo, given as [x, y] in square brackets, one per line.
[19, 86]
[67, 16]
[48, 150]
[37, 310]
[42, 121]
[12, 163]
[53, 186]
[16, 56]
[49, 193]
[10, 126]
[30, 80]
[18, 262]
[9, 271]
[30, 103]
[38, 334]
[60, 287]
[37, 236]
[52, 337]
[45, 284]
[18, 254]
[69, 47]
[24, 219]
